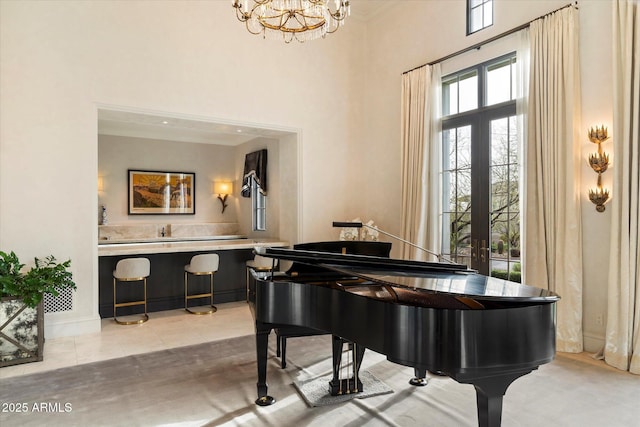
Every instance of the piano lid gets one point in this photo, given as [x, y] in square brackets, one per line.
[362, 261]
[455, 279]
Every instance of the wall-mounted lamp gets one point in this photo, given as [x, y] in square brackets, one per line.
[222, 189]
[100, 184]
[599, 162]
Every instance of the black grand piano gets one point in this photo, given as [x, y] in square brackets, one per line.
[436, 317]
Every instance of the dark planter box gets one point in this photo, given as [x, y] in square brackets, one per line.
[21, 332]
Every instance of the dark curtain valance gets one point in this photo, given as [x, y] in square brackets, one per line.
[255, 165]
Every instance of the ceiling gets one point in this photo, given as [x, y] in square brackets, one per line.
[172, 127]
[366, 9]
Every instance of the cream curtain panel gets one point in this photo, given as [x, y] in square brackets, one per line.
[622, 342]
[553, 252]
[421, 161]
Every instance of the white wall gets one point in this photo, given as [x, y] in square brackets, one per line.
[596, 44]
[413, 33]
[209, 162]
[60, 60]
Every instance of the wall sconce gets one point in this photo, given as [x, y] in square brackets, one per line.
[100, 184]
[599, 162]
[222, 189]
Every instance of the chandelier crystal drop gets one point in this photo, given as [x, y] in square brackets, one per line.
[289, 20]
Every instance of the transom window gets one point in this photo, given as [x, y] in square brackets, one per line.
[479, 15]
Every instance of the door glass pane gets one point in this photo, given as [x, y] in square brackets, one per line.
[463, 148]
[448, 150]
[514, 148]
[500, 142]
[500, 189]
[504, 200]
[449, 185]
[457, 194]
[461, 237]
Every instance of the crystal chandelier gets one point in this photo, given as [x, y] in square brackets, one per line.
[299, 20]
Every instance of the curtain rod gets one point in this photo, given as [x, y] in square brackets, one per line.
[492, 39]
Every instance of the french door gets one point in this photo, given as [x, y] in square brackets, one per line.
[481, 218]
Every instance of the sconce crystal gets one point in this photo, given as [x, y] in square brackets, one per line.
[599, 162]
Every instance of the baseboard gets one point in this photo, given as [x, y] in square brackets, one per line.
[70, 328]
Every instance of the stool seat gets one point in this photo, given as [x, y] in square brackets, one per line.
[260, 263]
[200, 265]
[131, 270]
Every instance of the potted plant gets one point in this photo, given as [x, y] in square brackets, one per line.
[21, 311]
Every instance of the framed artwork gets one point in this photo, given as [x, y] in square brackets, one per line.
[163, 193]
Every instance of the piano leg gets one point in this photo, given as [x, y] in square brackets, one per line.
[419, 379]
[283, 347]
[262, 342]
[489, 394]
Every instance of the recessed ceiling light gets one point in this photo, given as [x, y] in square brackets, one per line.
[239, 130]
[164, 122]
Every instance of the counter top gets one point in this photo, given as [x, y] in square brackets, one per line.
[169, 239]
[157, 247]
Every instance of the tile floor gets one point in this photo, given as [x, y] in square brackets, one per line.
[164, 330]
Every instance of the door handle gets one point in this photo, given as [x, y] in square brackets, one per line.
[483, 251]
[474, 249]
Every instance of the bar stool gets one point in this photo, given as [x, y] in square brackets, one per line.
[131, 270]
[259, 263]
[201, 265]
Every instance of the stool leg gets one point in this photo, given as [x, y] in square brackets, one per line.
[144, 317]
[213, 308]
[186, 291]
[145, 298]
[114, 299]
[187, 297]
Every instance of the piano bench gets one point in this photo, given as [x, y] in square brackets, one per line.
[291, 332]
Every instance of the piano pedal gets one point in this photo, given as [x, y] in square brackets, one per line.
[344, 386]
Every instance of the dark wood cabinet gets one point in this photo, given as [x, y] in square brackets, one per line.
[165, 284]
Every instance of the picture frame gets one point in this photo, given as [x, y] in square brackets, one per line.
[161, 192]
